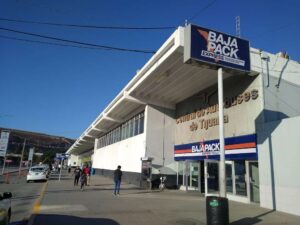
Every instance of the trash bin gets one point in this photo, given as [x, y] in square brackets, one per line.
[217, 212]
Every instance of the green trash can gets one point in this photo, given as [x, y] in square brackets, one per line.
[217, 212]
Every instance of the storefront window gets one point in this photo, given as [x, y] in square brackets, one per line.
[240, 174]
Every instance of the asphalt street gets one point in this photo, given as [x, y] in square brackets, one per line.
[24, 196]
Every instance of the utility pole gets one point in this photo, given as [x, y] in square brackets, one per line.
[4, 160]
[22, 156]
[238, 26]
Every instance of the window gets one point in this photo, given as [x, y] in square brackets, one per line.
[136, 125]
[130, 128]
[141, 123]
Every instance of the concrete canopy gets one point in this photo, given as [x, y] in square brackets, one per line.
[165, 80]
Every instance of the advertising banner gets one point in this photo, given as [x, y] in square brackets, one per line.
[30, 156]
[239, 147]
[4, 142]
[216, 49]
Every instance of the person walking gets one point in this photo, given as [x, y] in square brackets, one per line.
[77, 173]
[82, 181]
[117, 179]
[86, 171]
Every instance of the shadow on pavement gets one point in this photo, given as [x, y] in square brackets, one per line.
[50, 219]
[251, 220]
[87, 189]
[246, 221]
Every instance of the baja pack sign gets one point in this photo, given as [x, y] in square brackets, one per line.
[216, 49]
[237, 147]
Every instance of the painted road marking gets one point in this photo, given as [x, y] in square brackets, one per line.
[37, 204]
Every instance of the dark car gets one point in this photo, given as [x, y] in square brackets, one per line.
[5, 208]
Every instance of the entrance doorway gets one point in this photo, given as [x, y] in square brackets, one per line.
[253, 181]
[211, 171]
[242, 179]
[191, 175]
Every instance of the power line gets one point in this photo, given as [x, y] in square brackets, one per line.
[87, 26]
[48, 43]
[78, 42]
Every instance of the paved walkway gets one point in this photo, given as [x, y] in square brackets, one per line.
[63, 203]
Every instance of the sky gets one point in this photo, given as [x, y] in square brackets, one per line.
[60, 90]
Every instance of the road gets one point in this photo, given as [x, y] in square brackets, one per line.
[59, 202]
[24, 196]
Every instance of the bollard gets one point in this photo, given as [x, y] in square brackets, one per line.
[217, 212]
[7, 178]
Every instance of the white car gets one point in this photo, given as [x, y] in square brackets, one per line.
[5, 208]
[37, 173]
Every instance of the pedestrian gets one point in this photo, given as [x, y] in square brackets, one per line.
[117, 179]
[89, 176]
[86, 171]
[77, 173]
[82, 181]
[59, 168]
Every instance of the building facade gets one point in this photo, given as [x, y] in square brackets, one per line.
[165, 122]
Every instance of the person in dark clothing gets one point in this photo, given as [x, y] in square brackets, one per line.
[117, 179]
[82, 180]
[77, 173]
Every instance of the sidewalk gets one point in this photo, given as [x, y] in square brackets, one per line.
[65, 204]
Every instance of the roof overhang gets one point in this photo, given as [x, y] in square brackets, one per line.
[165, 80]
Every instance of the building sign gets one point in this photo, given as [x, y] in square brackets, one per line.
[61, 156]
[241, 147]
[199, 120]
[216, 49]
[4, 142]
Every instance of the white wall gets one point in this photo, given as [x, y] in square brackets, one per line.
[160, 137]
[73, 159]
[126, 153]
[280, 141]
[281, 85]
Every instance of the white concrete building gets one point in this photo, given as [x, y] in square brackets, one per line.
[165, 120]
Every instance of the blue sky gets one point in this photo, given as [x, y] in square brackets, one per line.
[61, 90]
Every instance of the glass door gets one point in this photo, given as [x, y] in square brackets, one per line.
[254, 181]
[195, 175]
[229, 177]
[211, 177]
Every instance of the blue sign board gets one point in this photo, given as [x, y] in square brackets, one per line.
[238, 147]
[217, 49]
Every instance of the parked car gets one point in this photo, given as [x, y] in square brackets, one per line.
[37, 173]
[5, 208]
[47, 168]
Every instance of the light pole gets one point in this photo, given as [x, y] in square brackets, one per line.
[22, 156]
[222, 175]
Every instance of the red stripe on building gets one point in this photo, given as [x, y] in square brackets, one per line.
[183, 151]
[242, 145]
